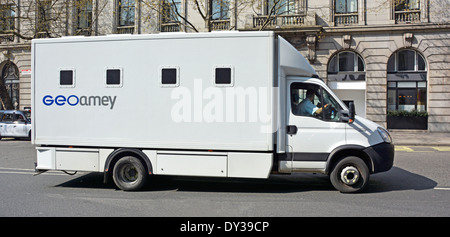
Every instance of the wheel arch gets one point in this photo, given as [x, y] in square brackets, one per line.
[122, 152]
[347, 150]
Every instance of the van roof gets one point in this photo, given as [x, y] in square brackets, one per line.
[171, 35]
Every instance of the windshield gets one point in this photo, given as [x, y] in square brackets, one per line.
[334, 110]
[27, 114]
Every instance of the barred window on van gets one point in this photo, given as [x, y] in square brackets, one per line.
[223, 75]
[67, 77]
[114, 77]
[170, 76]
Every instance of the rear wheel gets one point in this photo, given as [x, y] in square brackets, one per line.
[129, 174]
[350, 175]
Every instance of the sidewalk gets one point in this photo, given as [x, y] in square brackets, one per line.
[419, 138]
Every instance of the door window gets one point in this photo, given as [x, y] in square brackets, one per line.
[313, 101]
[333, 109]
[7, 118]
[19, 118]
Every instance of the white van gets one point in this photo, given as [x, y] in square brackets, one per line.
[221, 104]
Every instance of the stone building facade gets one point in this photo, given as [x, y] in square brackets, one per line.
[390, 57]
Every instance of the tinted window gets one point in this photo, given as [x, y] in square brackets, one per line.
[7, 118]
[113, 77]
[420, 63]
[309, 100]
[66, 77]
[223, 75]
[347, 62]
[406, 60]
[169, 76]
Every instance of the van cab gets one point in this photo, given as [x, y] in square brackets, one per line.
[15, 123]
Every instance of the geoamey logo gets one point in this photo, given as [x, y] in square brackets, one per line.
[73, 100]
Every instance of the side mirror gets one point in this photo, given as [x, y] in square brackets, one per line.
[351, 112]
[348, 115]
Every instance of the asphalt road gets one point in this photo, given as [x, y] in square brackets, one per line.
[417, 185]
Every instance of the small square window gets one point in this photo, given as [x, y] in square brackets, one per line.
[66, 77]
[113, 77]
[223, 76]
[169, 76]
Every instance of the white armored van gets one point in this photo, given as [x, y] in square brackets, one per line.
[221, 104]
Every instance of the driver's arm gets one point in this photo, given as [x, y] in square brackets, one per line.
[319, 111]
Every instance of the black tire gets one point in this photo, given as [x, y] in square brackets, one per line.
[350, 175]
[129, 174]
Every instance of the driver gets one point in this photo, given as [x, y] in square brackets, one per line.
[307, 107]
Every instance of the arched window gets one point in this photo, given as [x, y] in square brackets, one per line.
[346, 65]
[407, 81]
[346, 77]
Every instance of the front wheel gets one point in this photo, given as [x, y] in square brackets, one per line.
[350, 175]
[129, 174]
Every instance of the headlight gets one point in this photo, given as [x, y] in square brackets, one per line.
[384, 134]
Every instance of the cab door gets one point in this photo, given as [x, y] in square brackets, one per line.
[19, 127]
[6, 124]
[312, 132]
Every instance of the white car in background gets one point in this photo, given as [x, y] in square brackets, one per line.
[15, 123]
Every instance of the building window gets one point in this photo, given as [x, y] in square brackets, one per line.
[407, 81]
[346, 6]
[125, 16]
[346, 62]
[406, 61]
[84, 17]
[346, 12]
[43, 18]
[407, 96]
[406, 11]
[170, 10]
[220, 9]
[281, 7]
[405, 5]
[7, 16]
[126, 12]
[346, 65]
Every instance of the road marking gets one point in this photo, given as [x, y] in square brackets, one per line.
[438, 188]
[403, 148]
[422, 148]
[441, 148]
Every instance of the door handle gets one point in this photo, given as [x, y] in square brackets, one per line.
[291, 129]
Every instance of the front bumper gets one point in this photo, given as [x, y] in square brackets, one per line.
[382, 156]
